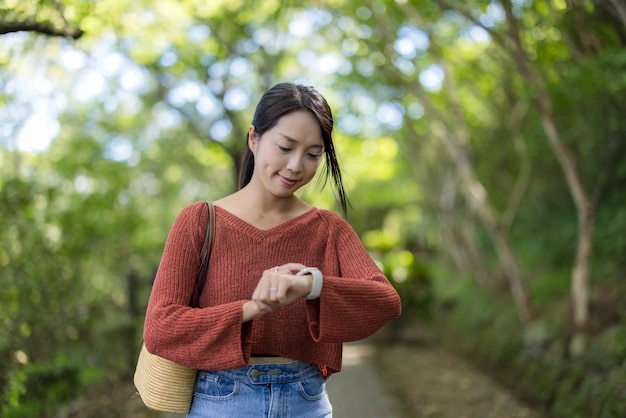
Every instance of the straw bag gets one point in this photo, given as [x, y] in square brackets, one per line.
[162, 384]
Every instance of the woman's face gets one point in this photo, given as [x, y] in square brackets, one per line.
[287, 156]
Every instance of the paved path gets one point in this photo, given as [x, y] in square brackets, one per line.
[357, 391]
[430, 382]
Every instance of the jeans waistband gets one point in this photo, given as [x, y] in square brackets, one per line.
[258, 374]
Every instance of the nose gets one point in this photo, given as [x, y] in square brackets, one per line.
[295, 163]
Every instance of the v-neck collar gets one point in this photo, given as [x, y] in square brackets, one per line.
[253, 230]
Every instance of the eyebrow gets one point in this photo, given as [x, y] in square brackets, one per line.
[290, 139]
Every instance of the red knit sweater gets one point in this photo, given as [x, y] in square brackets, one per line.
[356, 298]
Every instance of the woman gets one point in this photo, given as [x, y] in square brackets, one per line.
[287, 283]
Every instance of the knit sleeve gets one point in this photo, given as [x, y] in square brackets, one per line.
[358, 300]
[207, 338]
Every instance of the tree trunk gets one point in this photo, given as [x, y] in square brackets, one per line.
[617, 7]
[457, 232]
[476, 196]
[459, 236]
[586, 219]
[580, 275]
[583, 203]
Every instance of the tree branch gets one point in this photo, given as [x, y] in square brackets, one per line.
[31, 25]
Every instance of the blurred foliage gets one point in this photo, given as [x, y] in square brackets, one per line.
[115, 114]
[533, 361]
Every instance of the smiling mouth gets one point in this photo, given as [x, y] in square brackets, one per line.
[287, 181]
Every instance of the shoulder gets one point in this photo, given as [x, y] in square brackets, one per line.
[193, 210]
[329, 215]
[333, 220]
[188, 227]
[192, 215]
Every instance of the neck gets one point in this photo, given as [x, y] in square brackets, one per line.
[264, 203]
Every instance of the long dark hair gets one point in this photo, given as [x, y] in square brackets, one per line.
[284, 98]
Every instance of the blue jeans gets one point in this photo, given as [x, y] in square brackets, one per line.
[282, 390]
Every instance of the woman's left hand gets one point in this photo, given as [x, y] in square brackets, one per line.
[279, 286]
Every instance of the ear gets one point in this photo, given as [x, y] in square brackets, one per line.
[252, 139]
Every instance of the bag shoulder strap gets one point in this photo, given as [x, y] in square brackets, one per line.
[207, 246]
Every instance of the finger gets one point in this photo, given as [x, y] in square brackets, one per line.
[281, 290]
[273, 293]
[264, 283]
[290, 268]
[275, 283]
[263, 307]
[269, 288]
[267, 292]
[257, 292]
[266, 295]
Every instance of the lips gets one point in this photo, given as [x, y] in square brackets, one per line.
[287, 181]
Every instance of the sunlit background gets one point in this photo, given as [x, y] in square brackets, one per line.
[481, 143]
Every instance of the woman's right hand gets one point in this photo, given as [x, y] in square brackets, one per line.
[278, 286]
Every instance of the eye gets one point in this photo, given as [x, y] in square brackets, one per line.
[315, 156]
[283, 149]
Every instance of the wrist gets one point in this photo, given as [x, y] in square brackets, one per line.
[251, 310]
[316, 282]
